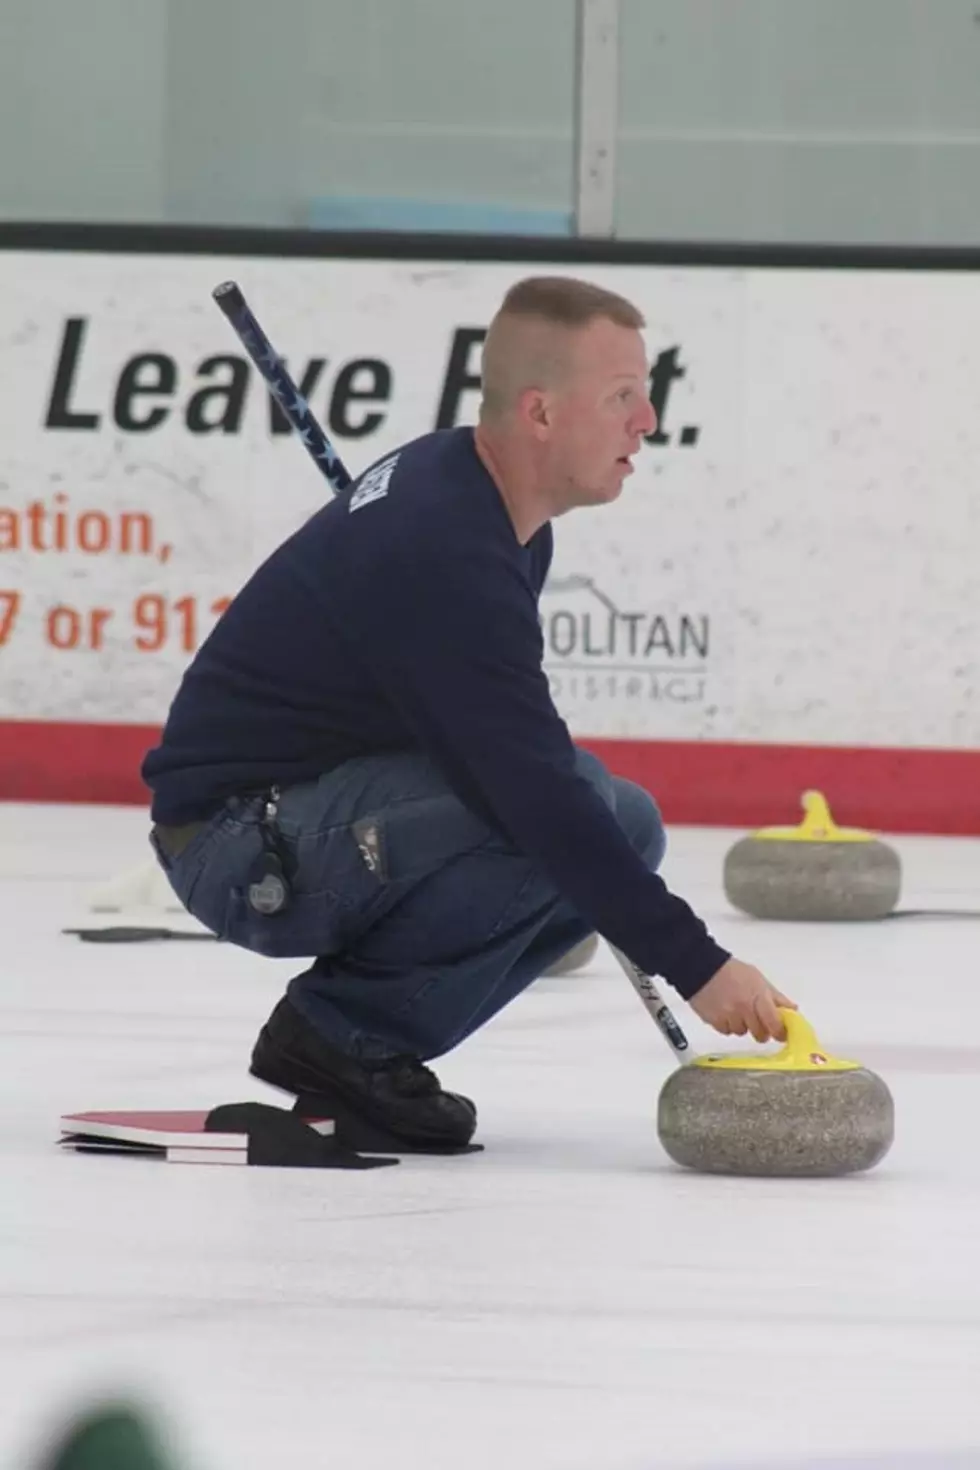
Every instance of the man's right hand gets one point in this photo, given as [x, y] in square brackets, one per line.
[738, 998]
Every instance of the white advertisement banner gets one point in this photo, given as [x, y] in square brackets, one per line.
[795, 560]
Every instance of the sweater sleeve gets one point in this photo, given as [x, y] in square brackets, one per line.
[457, 647]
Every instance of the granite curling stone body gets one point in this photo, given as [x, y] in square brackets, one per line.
[816, 871]
[576, 959]
[796, 1112]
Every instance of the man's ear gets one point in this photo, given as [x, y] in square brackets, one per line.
[535, 409]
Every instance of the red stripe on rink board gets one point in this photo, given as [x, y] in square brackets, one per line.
[742, 785]
[47, 760]
[726, 784]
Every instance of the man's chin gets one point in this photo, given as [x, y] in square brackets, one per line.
[596, 495]
[612, 490]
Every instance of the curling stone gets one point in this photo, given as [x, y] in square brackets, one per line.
[577, 958]
[814, 871]
[796, 1112]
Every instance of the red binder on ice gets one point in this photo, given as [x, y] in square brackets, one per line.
[177, 1137]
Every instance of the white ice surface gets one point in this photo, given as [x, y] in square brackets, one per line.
[566, 1299]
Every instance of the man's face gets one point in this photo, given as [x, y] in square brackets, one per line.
[596, 418]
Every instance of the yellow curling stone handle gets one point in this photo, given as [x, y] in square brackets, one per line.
[817, 825]
[802, 1053]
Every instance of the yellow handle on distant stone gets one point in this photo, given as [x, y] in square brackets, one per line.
[817, 825]
[802, 1052]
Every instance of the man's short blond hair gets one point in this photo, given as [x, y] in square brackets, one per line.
[524, 333]
[567, 302]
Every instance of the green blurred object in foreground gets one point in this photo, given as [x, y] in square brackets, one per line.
[112, 1437]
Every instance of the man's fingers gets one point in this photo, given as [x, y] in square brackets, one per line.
[763, 1018]
[759, 1029]
[765, 1009]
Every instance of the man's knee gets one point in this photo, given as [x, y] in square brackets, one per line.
[639, 816]
[591, 767]
[634, 808]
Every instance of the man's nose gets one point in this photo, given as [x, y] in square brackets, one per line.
[646, 421]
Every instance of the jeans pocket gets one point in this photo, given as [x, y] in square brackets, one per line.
[185, 872]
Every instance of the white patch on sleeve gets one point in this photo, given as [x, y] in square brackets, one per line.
[373, 485]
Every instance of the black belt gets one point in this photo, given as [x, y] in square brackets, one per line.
[173, 840]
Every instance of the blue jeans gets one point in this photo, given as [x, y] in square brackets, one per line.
[418, 948]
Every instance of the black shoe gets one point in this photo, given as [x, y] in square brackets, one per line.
[400, 1096]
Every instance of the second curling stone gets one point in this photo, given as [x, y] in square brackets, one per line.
[816, 871]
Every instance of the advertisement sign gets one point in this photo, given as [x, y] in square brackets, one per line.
[795, 562]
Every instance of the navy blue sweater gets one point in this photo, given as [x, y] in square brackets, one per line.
[404, 616]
